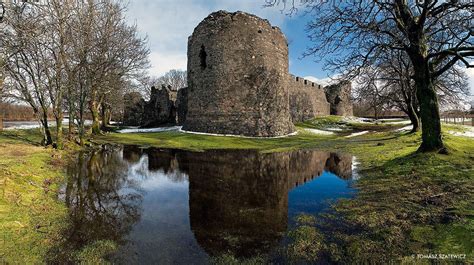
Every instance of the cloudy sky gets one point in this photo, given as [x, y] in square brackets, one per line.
[168, 23]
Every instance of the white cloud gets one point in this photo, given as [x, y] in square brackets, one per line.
[321, 81]
[169, 23]
[162, 63]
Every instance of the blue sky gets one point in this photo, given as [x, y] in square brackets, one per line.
[168, 23]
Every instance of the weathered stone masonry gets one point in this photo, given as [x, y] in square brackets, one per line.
[307, 99]
[237, 77]
[339, 96]
[134, 106]
[159, 110]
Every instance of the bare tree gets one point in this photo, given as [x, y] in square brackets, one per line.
[435, 35]
[369, 92]
[118, 52]
[25, 57]
[176, 79]
[73, 54]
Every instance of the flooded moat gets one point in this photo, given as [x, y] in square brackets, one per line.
[167, 206]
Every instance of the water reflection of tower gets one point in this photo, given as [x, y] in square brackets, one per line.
[238, 200]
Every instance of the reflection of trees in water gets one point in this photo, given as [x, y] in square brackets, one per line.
[158, 160]
[103, 203]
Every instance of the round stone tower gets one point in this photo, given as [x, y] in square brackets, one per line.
[237, 77]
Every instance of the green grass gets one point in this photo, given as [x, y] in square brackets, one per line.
[197, 142]
[31, 217]
[30, 214]
[407, 202]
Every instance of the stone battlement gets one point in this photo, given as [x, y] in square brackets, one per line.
[305, 82]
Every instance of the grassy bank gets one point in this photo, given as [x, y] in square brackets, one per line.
[30, 214]
[32, 219]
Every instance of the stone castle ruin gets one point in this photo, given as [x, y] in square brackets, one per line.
[237, 77]
[239, 84]
[339, 97]
[161, 109]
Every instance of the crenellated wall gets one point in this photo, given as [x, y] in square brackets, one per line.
[307, 99]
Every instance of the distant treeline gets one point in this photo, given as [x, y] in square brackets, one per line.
[367, 111]
[13, 112]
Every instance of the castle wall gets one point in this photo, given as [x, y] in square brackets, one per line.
[133, 109]
[182, 105]
[307, 99]
[237, 77]
[160, 109]
[339, 96]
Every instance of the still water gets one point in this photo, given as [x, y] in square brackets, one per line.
[167, 206]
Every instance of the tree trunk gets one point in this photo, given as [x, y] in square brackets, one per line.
[105, 113]
[70, 125]
[429, 109]
[413, 118]
[94, 108]
[59, 131]
[48, 139]
[1, 122]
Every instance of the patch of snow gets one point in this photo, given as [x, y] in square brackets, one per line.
[390, 119]
[357, 119]
[468, 133]
[398, 122]
[234, 135]
[357, 134]
[22, 127]
[25, 125]
[316, 131]
[149, 130]
[334, 129]
[403, 129]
